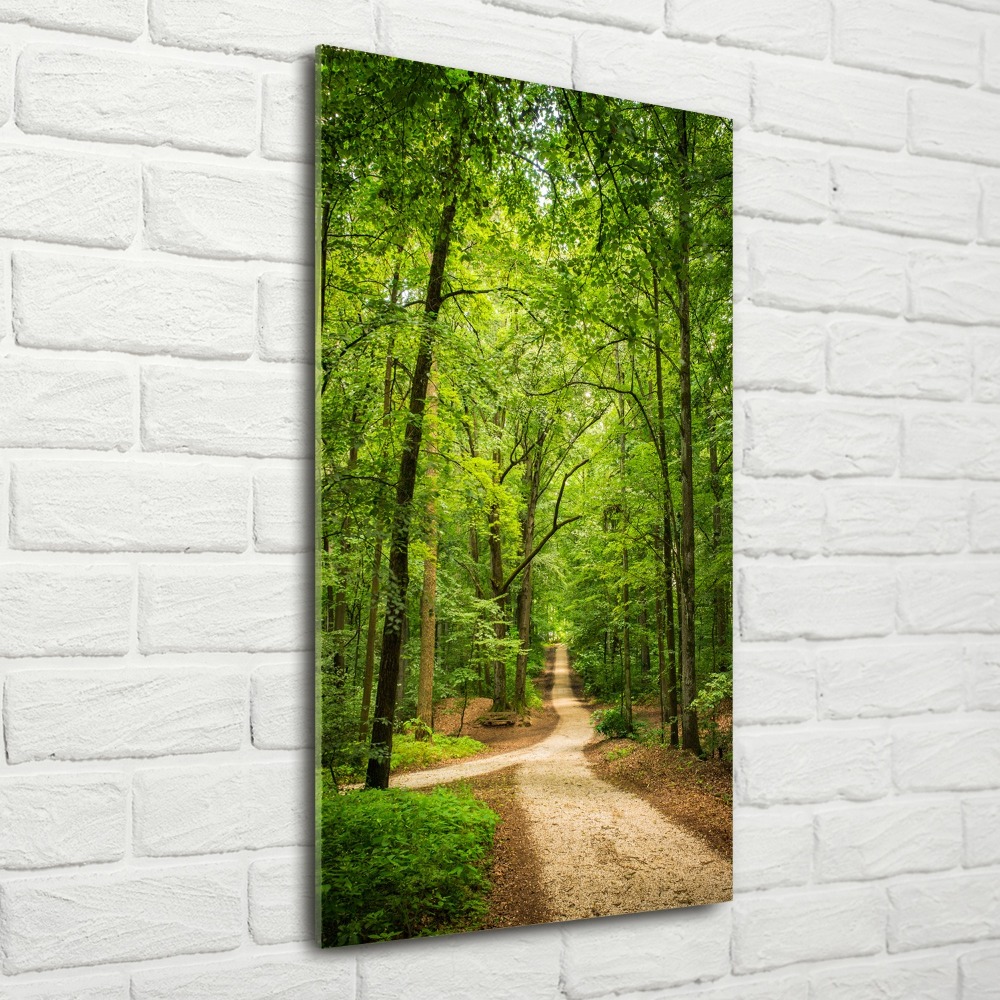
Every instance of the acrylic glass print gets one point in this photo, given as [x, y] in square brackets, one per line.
[524, 385]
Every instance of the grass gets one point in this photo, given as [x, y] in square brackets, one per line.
[408, 752]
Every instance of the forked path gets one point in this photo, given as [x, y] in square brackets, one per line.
[603, 850]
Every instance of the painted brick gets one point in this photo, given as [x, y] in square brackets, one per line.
[876, 841]
[889, 680]
[777, 516]
[778, 179]
[66, 819]
[929, 912]
[771, 849]
[923, 979]
[913, 197]
[796, 436]
[894, 519]
[119, 507]
[833, 105]
[954, 287]
[226, 213]
[938, 759]
[228, 608]
[225, 411]
[260, 27]
[991, 56]
[817, 766]
[872, 357]
[777, 350]
[103, 714]
[48, 610]
[55, 404]
[125, 917]
[329, 979]
[86, 988]
[281, 702]
[984, 526]
[810, 268]
[6, 89]
[663, 71]
[98, 304]
[745, 988]
[981, 820]
[952, 443]
[991, 208]
[200, 810]
[661, 954]
[982, 689]
[979, 973]
[114, 18]
[281, 901]
[959, 597]
[112, 97]
[954, 124]
[282, 509]
[68, 197]
[645, 14]
[986, 365]
[774, 685]
[831, 923]
[774, 25]
[286, 118]
[900, 37]
[285, 329]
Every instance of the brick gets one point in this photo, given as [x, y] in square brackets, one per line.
[800, 437]
[283, 499]
[63, 197]
[197, 810]
[946, 757]
[888, 980]
[645, 14]
[872, 357]
[954, 124]
[229, 608]
[979, 972]
[984, 525]
[938, 911]
[816, 766]
[778, 179]
[986, 365]
[846, 107]
[660, 953]
[285, 328]
[104, 714]
[487, 39]
[876, 841]
[829, 923]
[6, 90]
[894, 519]
[780, 26]
[881, 681]
[777, 350]
[125, 917]
[281, 901]
[913, 197]
[807, 268]
[66, 819]
[952, 598]
[664, 71]
[89, 988]
[98, 304]
[287, 118]
[225, 411]
[260, 27]
[768, 988]
[991, 208]
[946, 444]
[281, 707]
[980, 821]
[954, 287]
[991, 57]
[777, 516]
[115, 18]
[900, 37]
[51, 611]
[775, 685]
[226, 213]
[54, 404]
[119, 507]
[771, 850]
[982, 689]
[332, 978]
[115, 97]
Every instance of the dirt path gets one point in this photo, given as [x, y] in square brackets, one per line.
[603, 850]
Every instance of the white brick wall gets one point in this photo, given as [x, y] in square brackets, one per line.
[155, 429]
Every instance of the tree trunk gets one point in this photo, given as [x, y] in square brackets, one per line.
[428, 596]
[524, 595]
[721, 637]
[661, 675]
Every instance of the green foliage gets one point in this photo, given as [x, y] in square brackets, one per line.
[409, 752]
[400, 863]
[713, 703]
[610, 722]
[619, 753]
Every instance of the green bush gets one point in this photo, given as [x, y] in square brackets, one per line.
[401, 863]
[407, 751]
[611, 723]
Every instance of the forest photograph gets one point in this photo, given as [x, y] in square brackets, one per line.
[524, 503]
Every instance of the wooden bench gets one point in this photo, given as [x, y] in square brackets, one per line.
[498, 719]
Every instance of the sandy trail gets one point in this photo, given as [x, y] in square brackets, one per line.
[603, 850]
